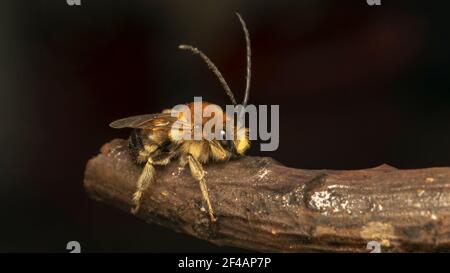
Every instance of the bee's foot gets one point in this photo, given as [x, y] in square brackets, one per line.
[213, 217]
[135, 210]
[137, 202]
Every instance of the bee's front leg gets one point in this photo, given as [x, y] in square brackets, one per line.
[199, 174]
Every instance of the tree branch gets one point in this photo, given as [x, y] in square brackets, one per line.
[264, 206]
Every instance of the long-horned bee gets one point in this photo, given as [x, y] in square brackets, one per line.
[155, 140]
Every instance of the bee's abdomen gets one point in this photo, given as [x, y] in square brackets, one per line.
[135, 144]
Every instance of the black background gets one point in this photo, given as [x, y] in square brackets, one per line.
[357, 86]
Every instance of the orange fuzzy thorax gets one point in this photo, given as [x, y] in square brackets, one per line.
[204, 104]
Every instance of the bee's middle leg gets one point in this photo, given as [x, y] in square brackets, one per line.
[199, 174]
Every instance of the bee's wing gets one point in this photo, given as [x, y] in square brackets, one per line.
[149, 121]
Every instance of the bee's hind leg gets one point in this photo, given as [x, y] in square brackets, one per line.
[199, 174]
[145, 179]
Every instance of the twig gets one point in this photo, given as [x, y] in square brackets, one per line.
[264, 206]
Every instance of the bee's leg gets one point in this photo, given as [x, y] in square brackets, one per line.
[162, 161]
[199, 174]
[147, 176]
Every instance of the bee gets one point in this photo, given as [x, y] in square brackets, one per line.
[152, 141]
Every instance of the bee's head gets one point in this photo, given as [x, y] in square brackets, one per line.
[237, 144]
[221, 126]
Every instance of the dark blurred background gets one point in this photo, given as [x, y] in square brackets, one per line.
[357, 86]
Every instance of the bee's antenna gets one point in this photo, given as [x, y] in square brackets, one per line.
[249, 61]
[216, 71]
[213, 68]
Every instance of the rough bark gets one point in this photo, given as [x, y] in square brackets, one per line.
[264, 206]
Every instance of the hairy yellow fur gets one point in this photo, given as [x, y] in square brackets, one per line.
[192, 152]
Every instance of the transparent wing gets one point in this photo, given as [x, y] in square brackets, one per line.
[149, 121]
